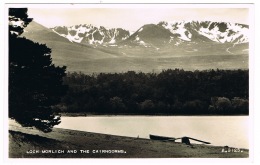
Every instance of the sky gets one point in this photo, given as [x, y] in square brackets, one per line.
[133, 17]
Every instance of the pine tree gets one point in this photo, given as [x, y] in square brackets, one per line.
[35, 83]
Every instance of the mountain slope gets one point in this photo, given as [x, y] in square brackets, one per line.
[152, 35]
[35, 31]
[63, 51]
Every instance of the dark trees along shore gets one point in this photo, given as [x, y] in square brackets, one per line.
[216, 92]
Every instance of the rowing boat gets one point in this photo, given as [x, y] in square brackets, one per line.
[184, 139]
[156, 137]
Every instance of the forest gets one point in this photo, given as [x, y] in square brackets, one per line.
[170, 92]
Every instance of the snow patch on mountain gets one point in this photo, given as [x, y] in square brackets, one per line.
[234, 33]
[178, 28]
[137, 38]
[63, 35]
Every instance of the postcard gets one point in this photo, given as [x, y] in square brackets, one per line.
[129, 80]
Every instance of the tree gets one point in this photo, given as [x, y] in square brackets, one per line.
[194, 107]
[35, 83]
[240, 105]
[18, 20]
[222, 104]
[117, 104]
[147, 106]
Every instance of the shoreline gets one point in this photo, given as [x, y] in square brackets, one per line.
[148, 115]
[29, 143]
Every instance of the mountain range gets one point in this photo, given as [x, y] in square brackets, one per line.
[169, 32]
[182, 44]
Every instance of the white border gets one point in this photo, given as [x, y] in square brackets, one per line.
[254, 90]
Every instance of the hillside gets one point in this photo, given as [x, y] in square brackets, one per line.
[72, 55]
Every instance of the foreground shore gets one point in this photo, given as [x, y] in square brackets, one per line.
[64, 143]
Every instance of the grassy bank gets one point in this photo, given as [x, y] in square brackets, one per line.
[63, 143]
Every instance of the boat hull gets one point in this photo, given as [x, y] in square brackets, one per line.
[156, 137]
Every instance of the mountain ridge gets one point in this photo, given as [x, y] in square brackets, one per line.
[89, 34]
[181, 31]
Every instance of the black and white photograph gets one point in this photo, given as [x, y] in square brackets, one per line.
[129, 80]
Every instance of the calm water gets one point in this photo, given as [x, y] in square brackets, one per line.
[219, 130]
